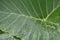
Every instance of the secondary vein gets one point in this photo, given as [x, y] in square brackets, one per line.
[51, 12]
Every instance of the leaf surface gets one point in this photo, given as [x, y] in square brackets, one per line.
[30, 19]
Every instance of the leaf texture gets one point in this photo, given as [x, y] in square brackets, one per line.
[30, 19]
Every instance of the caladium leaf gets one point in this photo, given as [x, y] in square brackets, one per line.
[29, 19]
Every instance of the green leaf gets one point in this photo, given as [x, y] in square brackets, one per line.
[29, 19]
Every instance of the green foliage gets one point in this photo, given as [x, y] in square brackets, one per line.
[29, 19]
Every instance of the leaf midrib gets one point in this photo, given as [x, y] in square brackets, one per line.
[34, 18]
